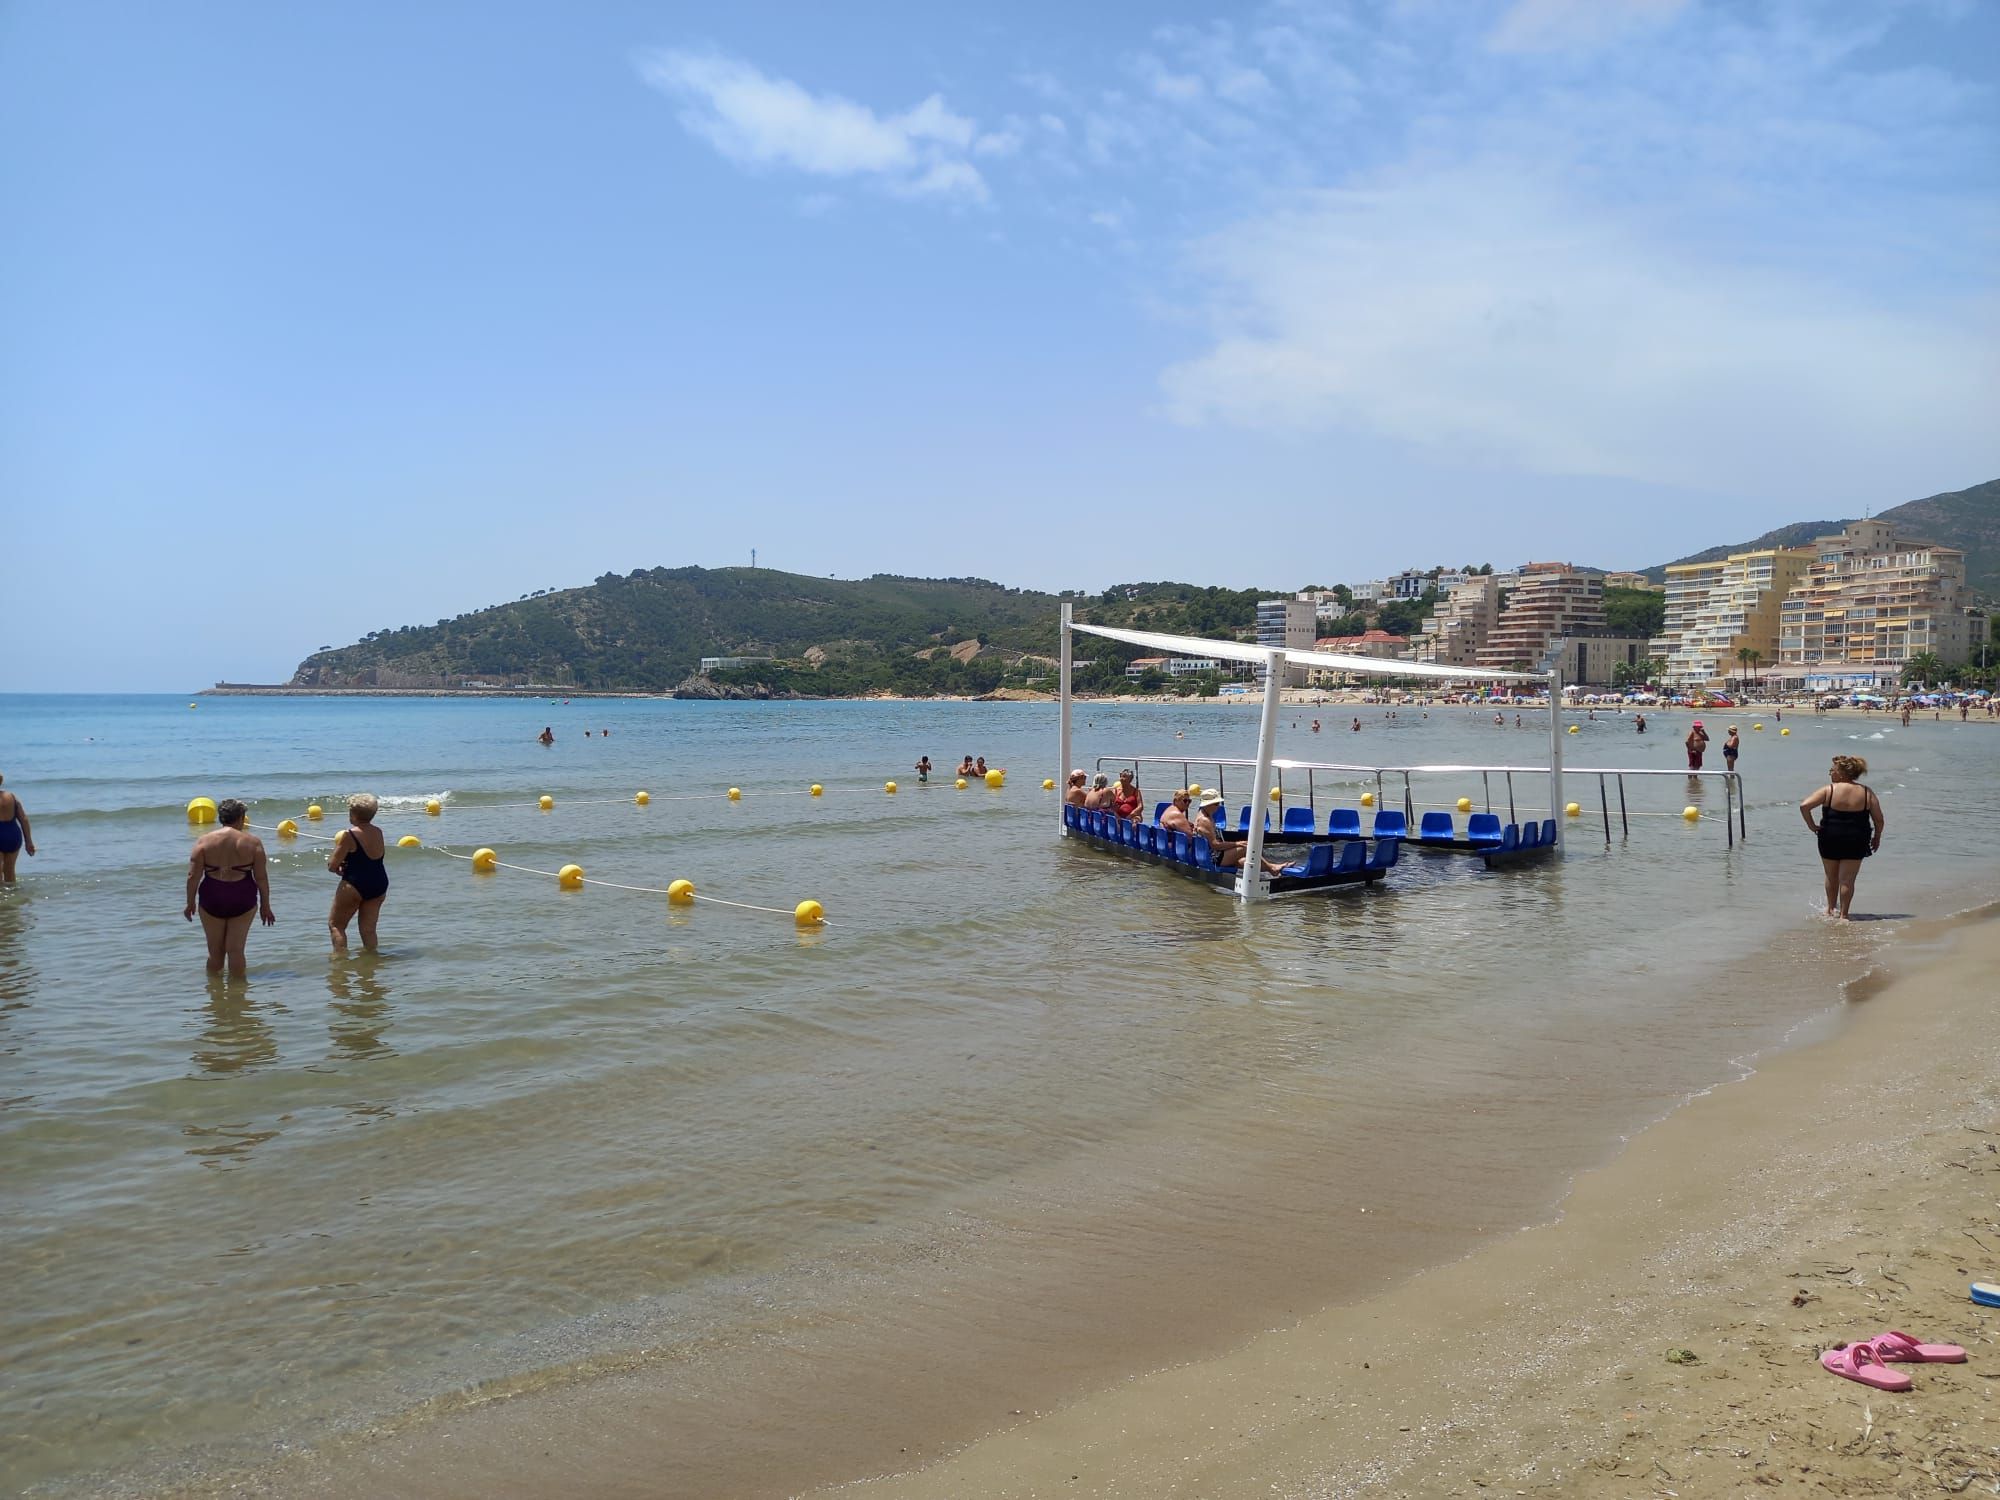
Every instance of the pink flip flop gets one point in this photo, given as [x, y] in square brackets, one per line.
[1894, 1345]
[1860, 1362]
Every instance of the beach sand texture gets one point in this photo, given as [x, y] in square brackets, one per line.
[1845, 1189]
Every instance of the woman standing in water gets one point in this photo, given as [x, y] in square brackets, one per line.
[228, 883]
[1849, 829]
[15, 834]
[364, 879]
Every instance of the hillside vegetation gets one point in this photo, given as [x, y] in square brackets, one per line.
[648, 630]
[1968, 519]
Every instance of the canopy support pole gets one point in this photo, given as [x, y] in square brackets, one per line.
[1556, 751]
[1250, 882]
[1062, 731]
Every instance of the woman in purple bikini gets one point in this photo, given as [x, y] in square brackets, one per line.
[229, 884]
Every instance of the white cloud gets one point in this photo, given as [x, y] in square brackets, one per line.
[1556, 25]
[1499, 317]
[758, 120]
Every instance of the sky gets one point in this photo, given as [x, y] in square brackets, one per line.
[317, 320]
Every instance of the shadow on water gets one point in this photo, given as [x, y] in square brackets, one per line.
[361, 1010]
[18, 975]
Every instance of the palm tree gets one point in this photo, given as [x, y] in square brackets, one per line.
[1749, 658]
[1925, 666]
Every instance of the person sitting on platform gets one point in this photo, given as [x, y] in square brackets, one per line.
[1228, 856]
[1076, 794]
[1126, 798]
[1099, 799]
[1175, 818]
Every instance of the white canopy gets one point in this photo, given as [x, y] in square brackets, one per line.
[1375, 666]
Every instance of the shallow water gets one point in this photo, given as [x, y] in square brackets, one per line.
[1021, 1118]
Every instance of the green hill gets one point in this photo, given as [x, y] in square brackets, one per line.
[647, 631]
[1968, 519]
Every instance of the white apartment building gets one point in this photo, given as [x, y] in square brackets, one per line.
[1869, 602]
[1717, 609]
[1461, 622]
[1287, 624]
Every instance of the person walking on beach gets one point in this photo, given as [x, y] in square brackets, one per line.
[229, 883]
[15, 833]
[364, 879]
[1846, 837]
[1697, 745]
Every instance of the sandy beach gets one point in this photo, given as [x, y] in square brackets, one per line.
[1662, 1337]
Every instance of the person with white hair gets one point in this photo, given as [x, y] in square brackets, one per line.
[364, 879]
[1076, 794]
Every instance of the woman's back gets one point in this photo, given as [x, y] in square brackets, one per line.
[229, 852]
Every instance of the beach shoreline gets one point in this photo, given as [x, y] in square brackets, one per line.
[1661, 1336]
[1536, 1362]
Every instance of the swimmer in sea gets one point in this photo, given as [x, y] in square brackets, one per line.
[547, 736]
[923, 769]
[229, 883]
[15, 834]
[965, 766]
[364, 879]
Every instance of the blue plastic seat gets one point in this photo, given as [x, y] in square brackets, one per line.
[1160, 810]
[1353, 855]
[1318, 861]
[1435, 829]
[1510, 839]
[1183, 848]
[1100, 824]
[1387, 852]
[1243, 819]
[1069, 816]
[1483, 828]
[1344, 823]
[1204, 857]
[1390, 824]
[1125, 831]
[1299, 820]
[1531, 835]
[1149, 838]
[1548, 832]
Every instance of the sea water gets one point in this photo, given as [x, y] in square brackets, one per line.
[1022, 1118]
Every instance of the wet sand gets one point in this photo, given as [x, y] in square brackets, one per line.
[1846, 1188]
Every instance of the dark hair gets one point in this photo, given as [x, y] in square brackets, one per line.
[229, 811]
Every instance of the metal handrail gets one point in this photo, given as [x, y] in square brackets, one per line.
[1735, 811]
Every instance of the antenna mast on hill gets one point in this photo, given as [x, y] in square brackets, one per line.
[753, 557]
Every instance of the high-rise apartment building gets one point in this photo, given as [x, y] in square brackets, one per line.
[1717, 609]
[1552, 600]
[1289, 625]
[1463, 620]
[1869, 602]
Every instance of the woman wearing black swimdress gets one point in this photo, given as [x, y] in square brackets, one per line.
[1849, 829]
[364, 879]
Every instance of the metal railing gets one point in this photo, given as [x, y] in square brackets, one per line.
[1735, 813]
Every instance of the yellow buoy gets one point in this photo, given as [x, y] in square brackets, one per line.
[642, 798]
[889, 787]
[1194, 789]
[681, 892]
[736, 794]
[808, 914]
[1573, 810]
[545, 802]
[434, 807]
[816, 789]
[315, 812]
[1465, 804]
[1367, 799]
[201, 809]
[1691, 813]
[1757, 728]
[570, 877]
[485, 861]
[1784, 731]
[1048, 783]
[996, 779]
[1572, 729]
[287, 829]
[190, 705]
[409, 841]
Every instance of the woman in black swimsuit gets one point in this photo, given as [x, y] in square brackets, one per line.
[364, 880]
[1849, 829]
[229, 884]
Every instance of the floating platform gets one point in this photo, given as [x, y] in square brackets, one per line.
[1327, 866]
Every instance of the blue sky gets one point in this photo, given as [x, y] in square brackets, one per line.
[320, 319]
